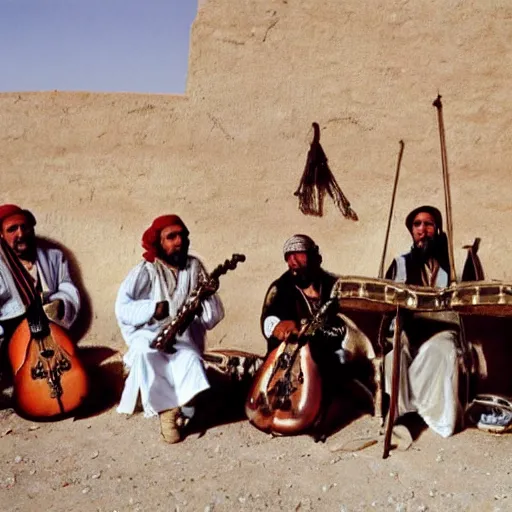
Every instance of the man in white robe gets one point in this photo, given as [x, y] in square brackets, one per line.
[429, 369]
[149, 297]
[48, 268]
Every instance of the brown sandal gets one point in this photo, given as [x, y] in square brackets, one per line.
[169, 428]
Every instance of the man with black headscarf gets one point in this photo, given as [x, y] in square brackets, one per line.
[427, 262]
[429, 371]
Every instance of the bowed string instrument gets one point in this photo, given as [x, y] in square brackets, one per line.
[49, 380]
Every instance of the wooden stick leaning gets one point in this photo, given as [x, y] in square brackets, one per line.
[379, 361]
[395, 384]
[446, 181]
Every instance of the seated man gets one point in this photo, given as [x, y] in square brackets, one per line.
[151, 295]
[48, 268]
[295, 297]
[429, 370]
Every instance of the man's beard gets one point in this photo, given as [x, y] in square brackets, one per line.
[176, 259]
[303, 277]
[430, 248]
[25, 248]
[426, 247]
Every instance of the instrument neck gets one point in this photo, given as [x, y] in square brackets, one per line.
[37, 319]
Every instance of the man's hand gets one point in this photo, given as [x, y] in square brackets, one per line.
[284, 329]
[54, 310]
[161, 310]
[210, 286]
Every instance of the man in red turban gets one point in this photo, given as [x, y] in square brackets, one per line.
[46, 265]
[151, 296]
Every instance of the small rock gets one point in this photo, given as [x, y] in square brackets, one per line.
[32, 471]
[10, 481]
[17, 459]
[95, 454]
[85, 490]
[325, 488]
[5, 432]
[34, 427]
[432, 493]
[96, 476]
[439, 458]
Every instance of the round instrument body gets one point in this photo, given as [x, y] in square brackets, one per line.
[286, 395]
[49, 379]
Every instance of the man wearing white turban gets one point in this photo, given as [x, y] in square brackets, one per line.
[295, 297]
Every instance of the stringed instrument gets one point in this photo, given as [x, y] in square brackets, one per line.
[286, 395]
[166, 338]
[49, 380]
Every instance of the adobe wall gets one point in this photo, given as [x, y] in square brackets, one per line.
[227, 156]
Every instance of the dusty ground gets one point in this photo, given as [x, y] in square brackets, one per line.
[103, 461]
[97, 168]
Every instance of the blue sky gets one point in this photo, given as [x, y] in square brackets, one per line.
[95, 45]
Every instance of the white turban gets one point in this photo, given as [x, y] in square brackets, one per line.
[299, 243]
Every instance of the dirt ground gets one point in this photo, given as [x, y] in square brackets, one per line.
[228, 157]
[104, 461]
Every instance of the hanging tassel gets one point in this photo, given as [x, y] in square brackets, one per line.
[317, 180]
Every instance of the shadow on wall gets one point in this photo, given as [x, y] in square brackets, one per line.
[83, 322]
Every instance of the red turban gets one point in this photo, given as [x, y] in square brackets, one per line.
[151, 237]
[7, 210]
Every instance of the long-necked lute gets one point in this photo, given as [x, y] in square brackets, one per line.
[166, 338]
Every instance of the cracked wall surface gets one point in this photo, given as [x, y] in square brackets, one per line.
[227, 156]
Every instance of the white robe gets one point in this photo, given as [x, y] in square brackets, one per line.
[56, 282]
[164, 380]
[429, 381]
